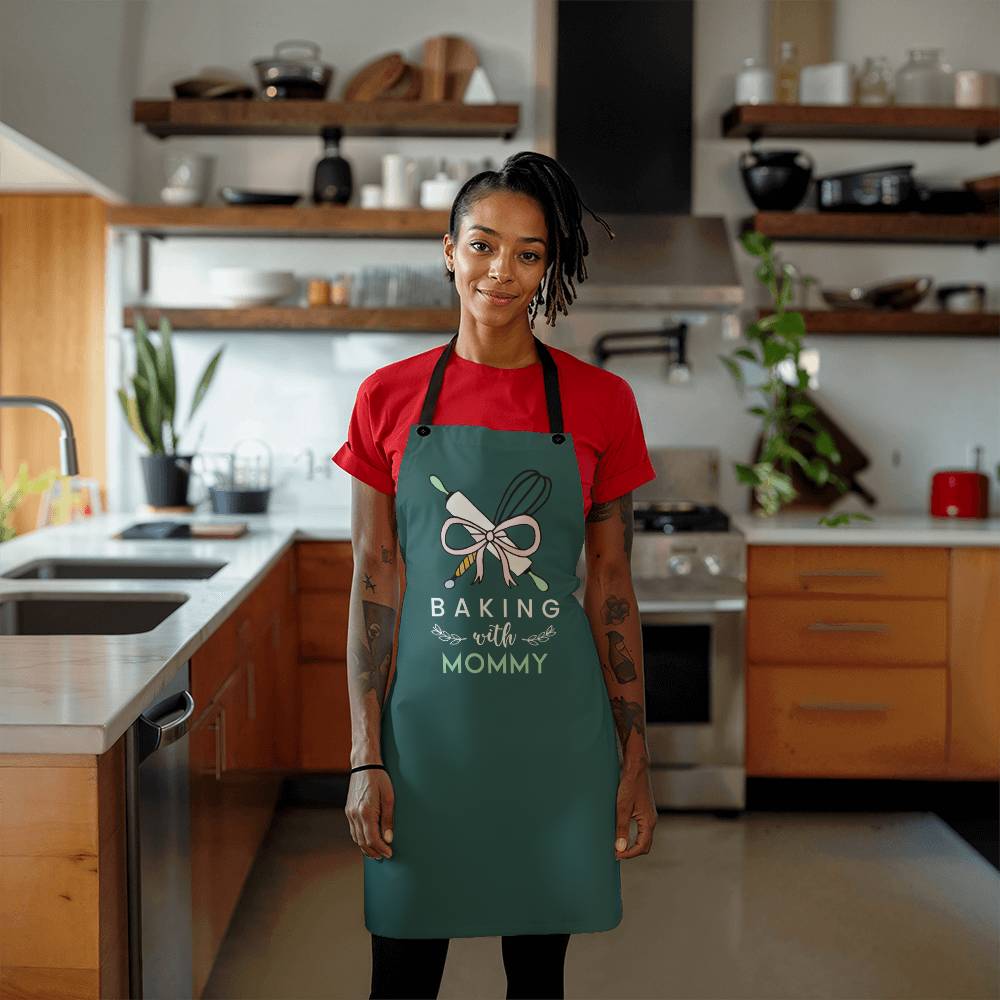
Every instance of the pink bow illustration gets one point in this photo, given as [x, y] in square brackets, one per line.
[493, 538]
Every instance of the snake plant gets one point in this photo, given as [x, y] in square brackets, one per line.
[151, 407]
[786, 414]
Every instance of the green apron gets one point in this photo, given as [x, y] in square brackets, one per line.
[497, 730]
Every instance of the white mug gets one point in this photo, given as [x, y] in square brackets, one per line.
[371, 195]
[398, 176]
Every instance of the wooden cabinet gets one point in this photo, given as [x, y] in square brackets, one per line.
[848, 651]
[974, 664]
[873, 661]
[324, 572]
[238, 750]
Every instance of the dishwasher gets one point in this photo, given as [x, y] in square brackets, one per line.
[158, 844]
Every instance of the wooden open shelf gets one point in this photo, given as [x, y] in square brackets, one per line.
[275, 220]
[259, 117]
[394, 320]
[910, 323]
[821, 121]
[871, 227]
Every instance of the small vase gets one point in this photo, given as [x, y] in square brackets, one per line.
[166, 478]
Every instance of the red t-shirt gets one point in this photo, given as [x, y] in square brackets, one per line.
[599, 410]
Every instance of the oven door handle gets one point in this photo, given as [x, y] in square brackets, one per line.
[696, 605]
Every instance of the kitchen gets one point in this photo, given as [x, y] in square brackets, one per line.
[776, 761]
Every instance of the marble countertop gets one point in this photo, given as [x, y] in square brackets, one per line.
[78, 694]
[798, 528]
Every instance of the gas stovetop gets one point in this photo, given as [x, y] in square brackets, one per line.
[669, 518]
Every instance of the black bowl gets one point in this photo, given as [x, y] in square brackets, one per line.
[776, 179]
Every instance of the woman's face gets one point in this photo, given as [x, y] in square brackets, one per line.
[501, 248]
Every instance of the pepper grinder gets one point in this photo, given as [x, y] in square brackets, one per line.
[332, 182]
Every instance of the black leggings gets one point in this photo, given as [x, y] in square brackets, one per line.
[411, 968]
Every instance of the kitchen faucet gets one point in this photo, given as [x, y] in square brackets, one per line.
[67, 442]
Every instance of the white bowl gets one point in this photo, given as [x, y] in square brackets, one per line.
[251, 286]
[180, 196]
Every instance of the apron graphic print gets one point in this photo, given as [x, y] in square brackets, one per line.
[523, 497]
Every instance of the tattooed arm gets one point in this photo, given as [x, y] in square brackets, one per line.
[609, 601]
[374, 611]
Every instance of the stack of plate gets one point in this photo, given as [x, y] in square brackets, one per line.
[251, 286]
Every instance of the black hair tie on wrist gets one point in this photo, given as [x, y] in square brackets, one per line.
[364, 767]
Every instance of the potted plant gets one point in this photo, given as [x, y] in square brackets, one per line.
[150, 412]
[20, 487]
[788, 418]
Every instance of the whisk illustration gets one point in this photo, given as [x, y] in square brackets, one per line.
[526, 493]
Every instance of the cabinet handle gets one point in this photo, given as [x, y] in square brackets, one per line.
[222, 728]
[871, 573]
[251, 691]
[848, 627]
[219, 727]
[843, 706]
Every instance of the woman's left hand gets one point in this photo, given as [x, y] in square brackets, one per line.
[635, 801]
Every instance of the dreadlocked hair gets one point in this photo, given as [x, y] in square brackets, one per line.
[542, 178]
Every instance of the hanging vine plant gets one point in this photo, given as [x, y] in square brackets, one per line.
[788, 419]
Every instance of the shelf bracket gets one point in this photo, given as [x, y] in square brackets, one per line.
[144, 264]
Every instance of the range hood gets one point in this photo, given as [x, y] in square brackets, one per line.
[623, 123]
[659, 261]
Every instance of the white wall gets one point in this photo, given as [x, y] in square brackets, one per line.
[914, 405]
[297, 389]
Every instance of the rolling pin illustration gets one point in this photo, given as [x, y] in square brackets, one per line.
[526, 493]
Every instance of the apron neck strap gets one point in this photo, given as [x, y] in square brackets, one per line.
[550, 374]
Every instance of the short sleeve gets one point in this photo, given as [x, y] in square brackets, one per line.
[362, 454]
[625, 463]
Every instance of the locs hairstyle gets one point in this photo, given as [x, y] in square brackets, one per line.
[542, 178]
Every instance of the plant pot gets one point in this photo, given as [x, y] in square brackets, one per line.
[239, 501]
[166, 478]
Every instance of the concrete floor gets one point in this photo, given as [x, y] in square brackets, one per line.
[766, 905]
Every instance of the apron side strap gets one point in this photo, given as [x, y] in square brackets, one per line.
[434, 385]
[552, 399]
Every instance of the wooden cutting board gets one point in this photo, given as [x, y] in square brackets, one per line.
[448, 64]
[375, 77]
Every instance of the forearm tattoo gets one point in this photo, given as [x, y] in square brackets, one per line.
[372, 658]
[629, 718]
[620, 658]
[623, 506]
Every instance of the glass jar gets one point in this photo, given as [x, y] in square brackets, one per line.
[924, 79]
[754, 83]
[875, 82]
[786, 82]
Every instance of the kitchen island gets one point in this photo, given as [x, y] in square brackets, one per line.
[78, 694]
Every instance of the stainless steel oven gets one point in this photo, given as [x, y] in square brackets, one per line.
[695, 695]
[689, 576]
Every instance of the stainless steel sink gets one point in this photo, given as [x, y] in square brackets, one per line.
[83, 614]
[67, 568]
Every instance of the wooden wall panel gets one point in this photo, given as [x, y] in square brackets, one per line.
[52, 258]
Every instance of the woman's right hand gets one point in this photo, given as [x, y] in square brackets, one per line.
[369, 809]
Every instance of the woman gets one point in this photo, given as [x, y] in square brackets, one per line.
[486, 792]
